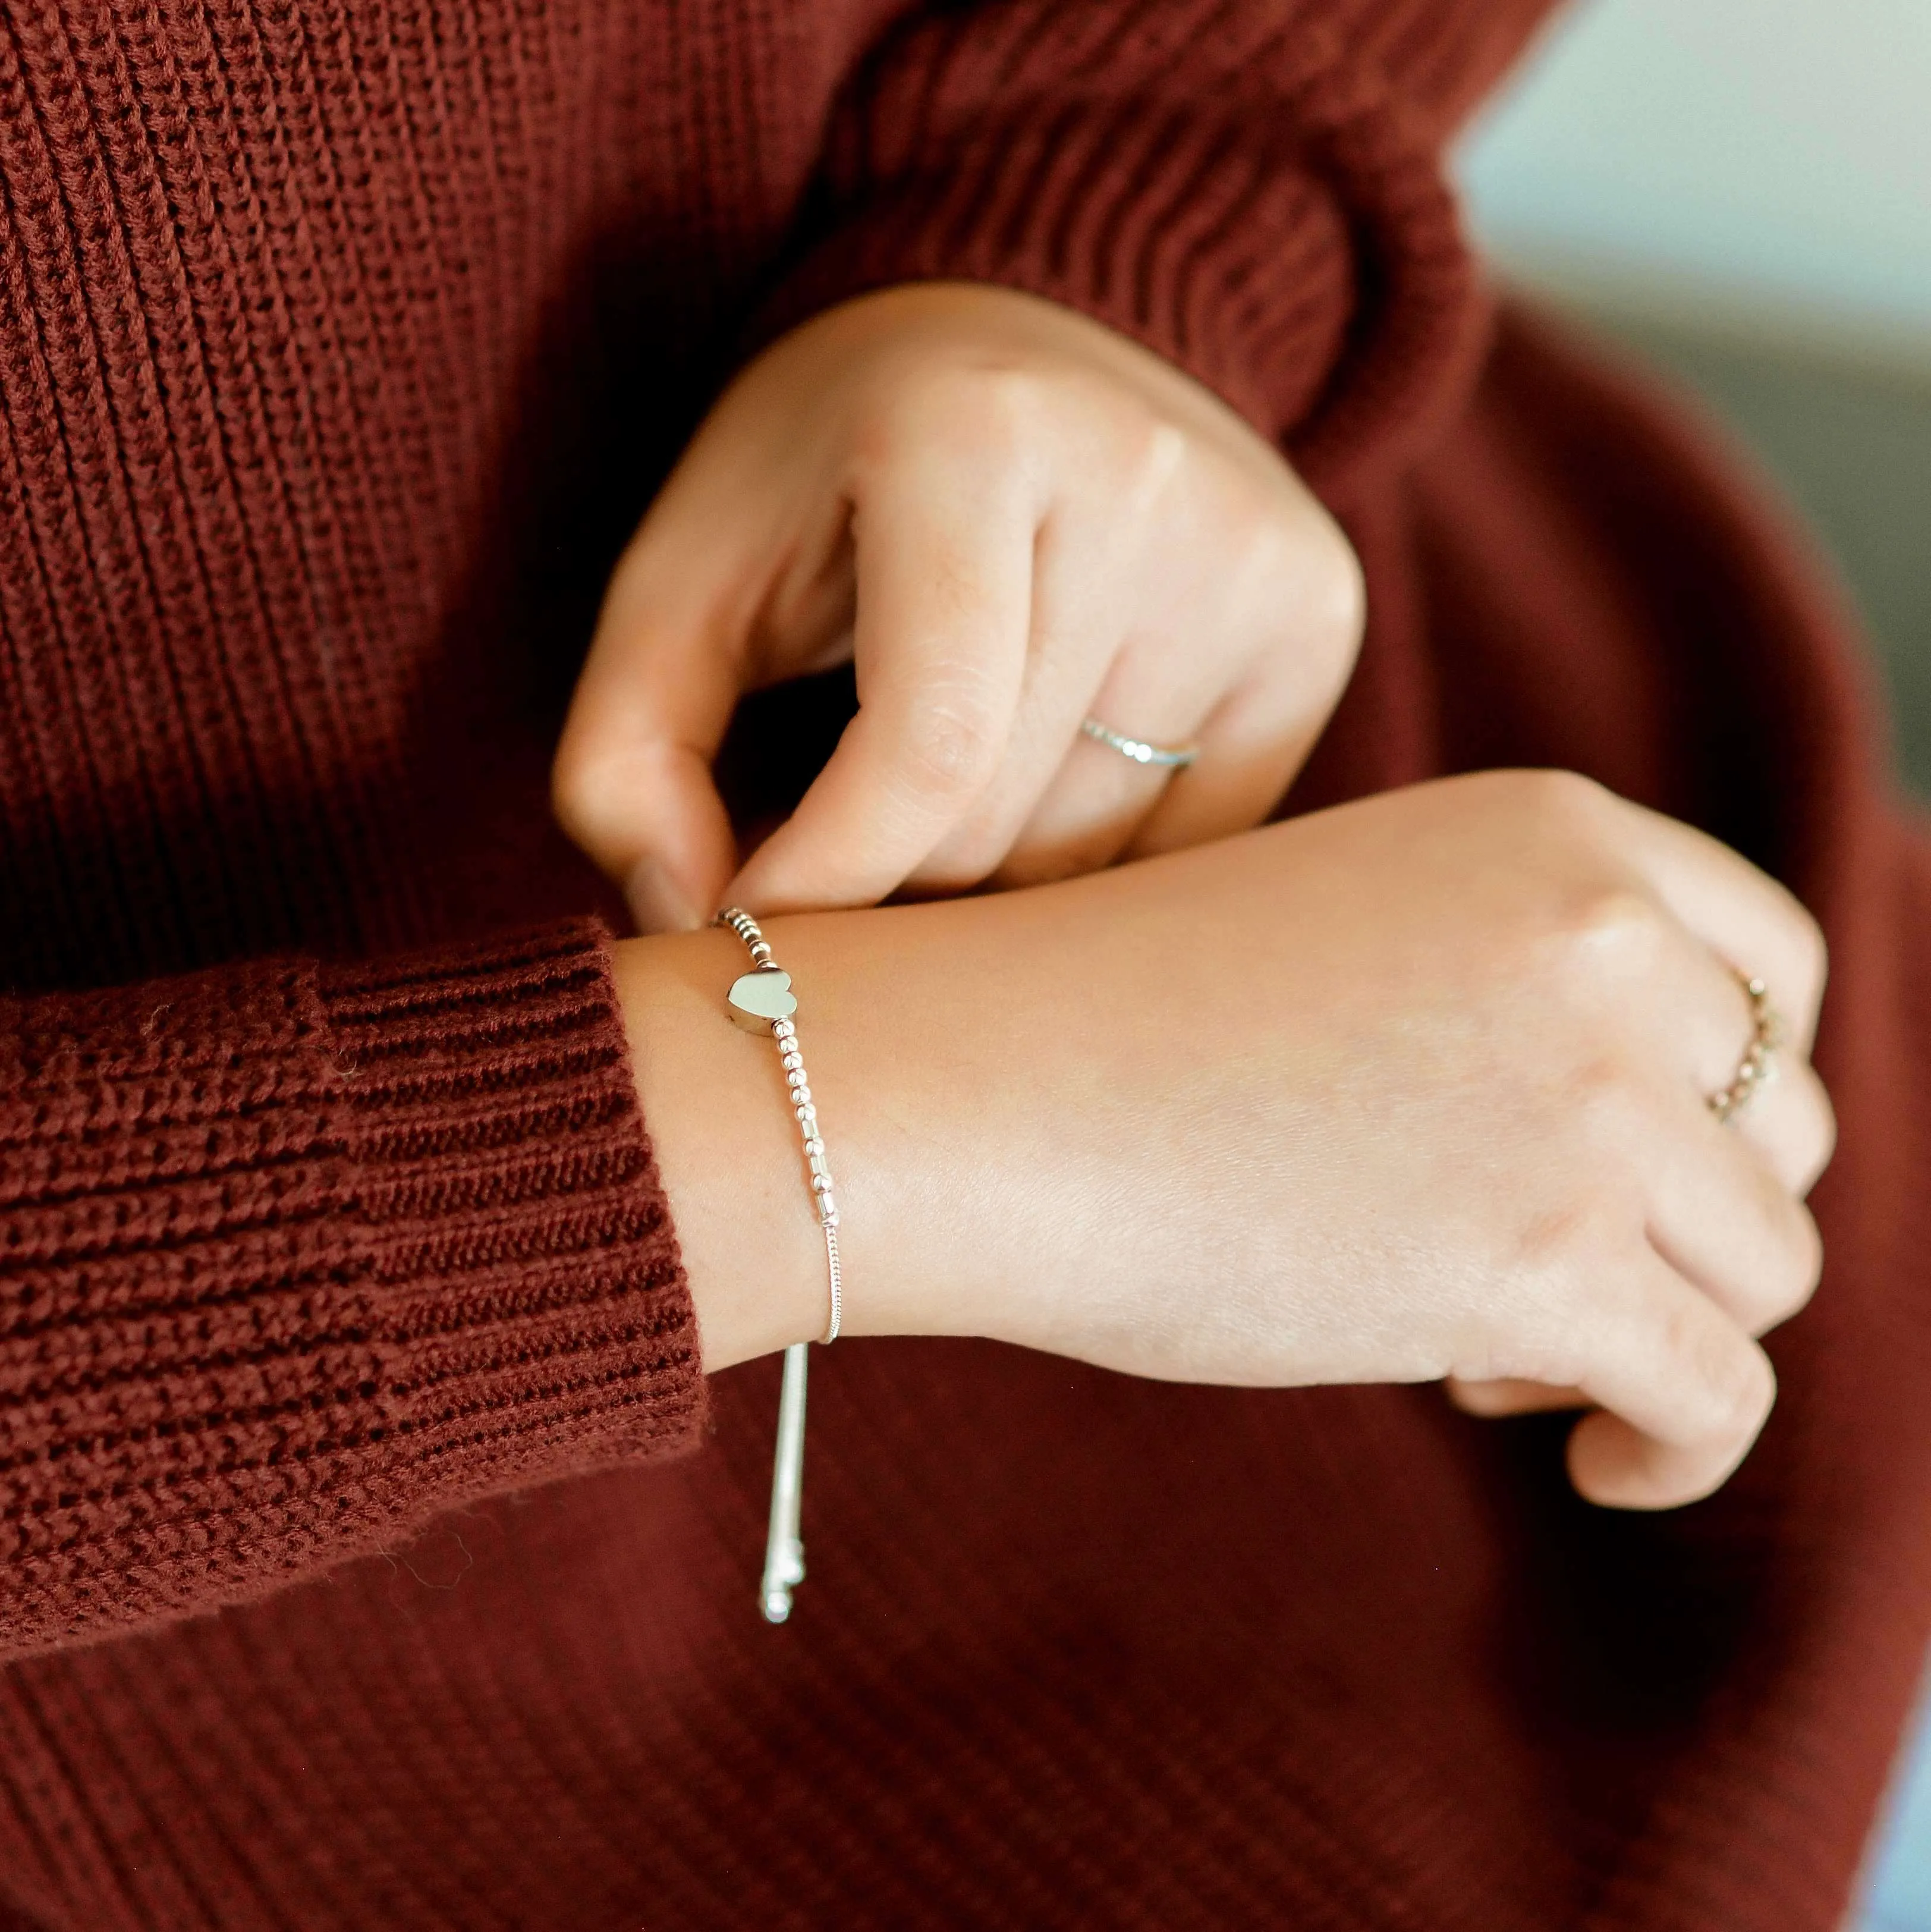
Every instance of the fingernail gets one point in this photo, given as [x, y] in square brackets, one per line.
[657, 902]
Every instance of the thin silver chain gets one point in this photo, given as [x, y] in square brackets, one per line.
[783, 1546]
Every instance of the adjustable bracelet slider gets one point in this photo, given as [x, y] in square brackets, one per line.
[762, 1000]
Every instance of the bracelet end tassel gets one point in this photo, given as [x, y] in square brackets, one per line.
[783, 1549]
[762, 1000]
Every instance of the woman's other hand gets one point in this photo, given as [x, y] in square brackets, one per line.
[1010, 518]
[1412, 1089]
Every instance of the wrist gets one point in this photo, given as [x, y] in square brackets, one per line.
[890, 1037]
[725, 1145]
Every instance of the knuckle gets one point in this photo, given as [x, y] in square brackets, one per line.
[1813, 956]
[1154, 452]
[579, 790]
[1732, 1375]
[988, 409]
[1803, 1265]
[1003, 400]
[984, 424]
[1607, 926]
[1259, 555]
[1564, 801]
[1335, 595]
[1296, 563]
[1560, 820]
[1275, 576]
[1821, 1129]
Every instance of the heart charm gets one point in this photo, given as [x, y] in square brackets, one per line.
[758, 999]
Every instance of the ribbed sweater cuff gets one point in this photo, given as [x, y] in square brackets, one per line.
[1248, 202]
[299, 1256]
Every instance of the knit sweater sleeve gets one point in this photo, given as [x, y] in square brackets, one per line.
[1253, 188]
[294, 1256]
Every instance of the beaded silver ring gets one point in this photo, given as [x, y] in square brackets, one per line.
[1766, 1036]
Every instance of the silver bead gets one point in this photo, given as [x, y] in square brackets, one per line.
[808, 1114]
[800, 1097]
[821, 1183]
[813, 1145]
[784, 1030]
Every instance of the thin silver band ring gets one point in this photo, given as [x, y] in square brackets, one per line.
[1169, 758]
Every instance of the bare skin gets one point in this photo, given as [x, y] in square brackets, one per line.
[1410, 1090]
[1009, 517]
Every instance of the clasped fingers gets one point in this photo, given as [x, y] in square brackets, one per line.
[1698, 1106]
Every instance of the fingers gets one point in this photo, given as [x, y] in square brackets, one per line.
[1729, 1250]
[631, 781]
[944, 567]
[1686, 1393]
[1250, 748]
[1790, 1124]
[1259, 735]
[1077, 623]
[1088, 812]
[1742, 914]
[1246, 667]
[1726, 1222]
[1064, 803]
[1498, 1398]
[1725, 1199]
[1725, 1214]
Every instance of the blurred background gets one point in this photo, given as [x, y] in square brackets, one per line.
[1741, 191]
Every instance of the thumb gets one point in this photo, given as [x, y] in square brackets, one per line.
[632, 783]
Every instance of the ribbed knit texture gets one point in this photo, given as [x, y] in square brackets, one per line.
[339, 349]
[1235, 185]
[292, 1260]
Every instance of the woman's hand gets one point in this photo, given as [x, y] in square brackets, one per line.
[1411, 1089]
[1011, 518]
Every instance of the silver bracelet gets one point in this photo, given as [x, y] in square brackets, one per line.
[762, 1000]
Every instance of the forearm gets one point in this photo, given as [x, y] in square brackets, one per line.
[1345, 1100]
[915, 1022]
[978, 1088]
[890, 1081]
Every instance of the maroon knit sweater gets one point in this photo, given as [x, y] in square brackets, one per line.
[340, 345]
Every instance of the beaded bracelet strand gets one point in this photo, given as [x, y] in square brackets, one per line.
[761, 1000]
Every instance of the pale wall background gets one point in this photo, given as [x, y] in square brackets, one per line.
[1740, 189]
[1776, 149]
